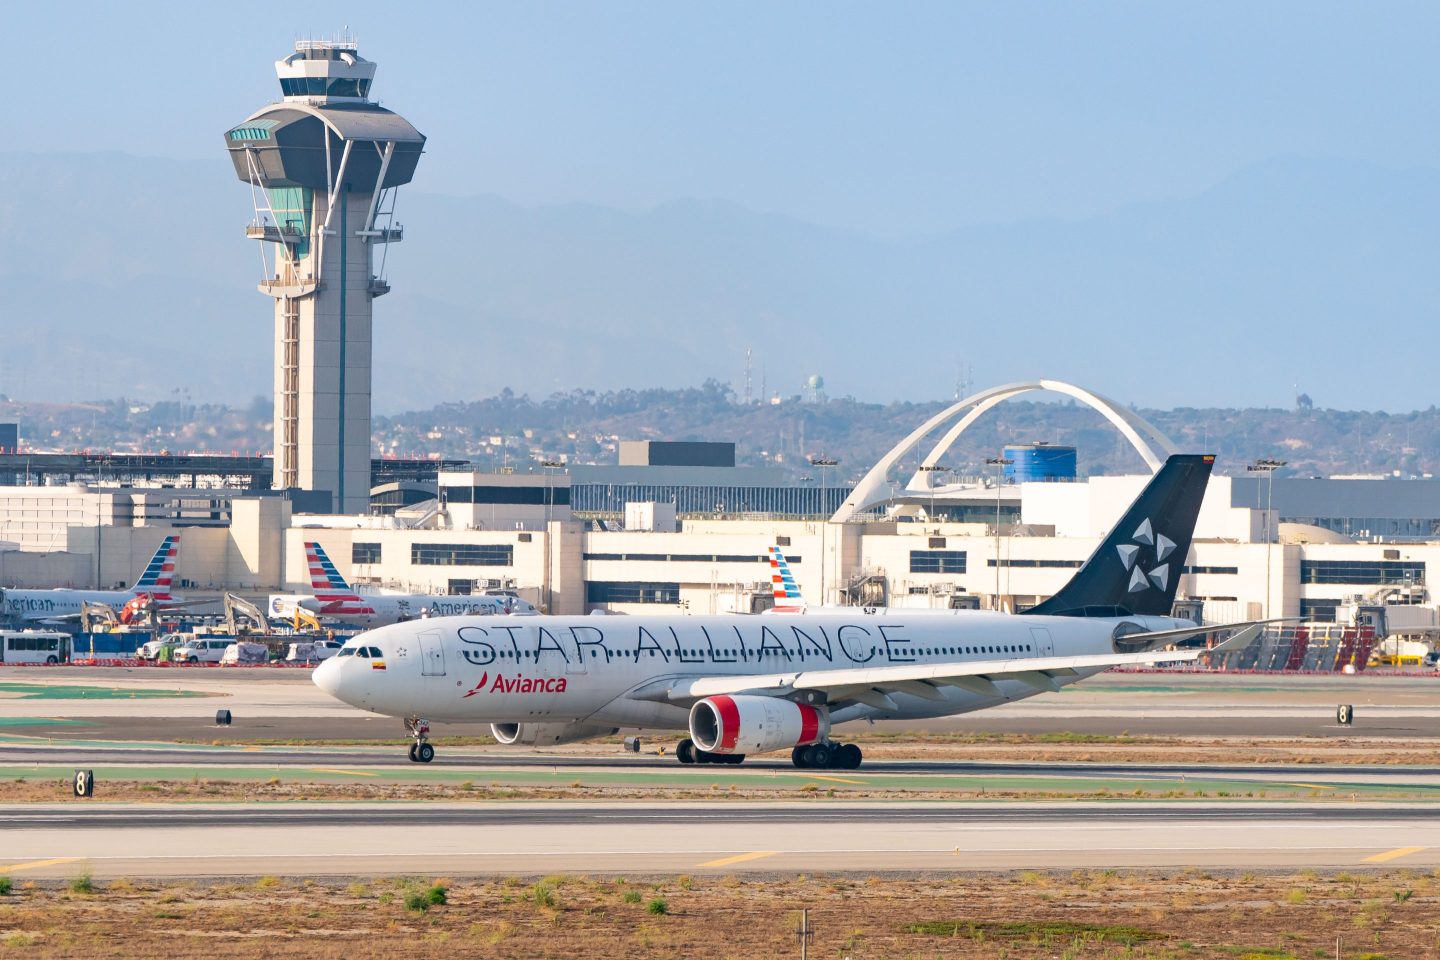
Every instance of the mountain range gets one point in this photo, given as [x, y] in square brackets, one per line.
[131, 276]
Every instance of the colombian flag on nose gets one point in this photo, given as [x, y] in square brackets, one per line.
[377, 664]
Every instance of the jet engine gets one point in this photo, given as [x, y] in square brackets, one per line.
[548, 734]
[741, 725]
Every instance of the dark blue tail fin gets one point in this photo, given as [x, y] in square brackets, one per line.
[1137, 568]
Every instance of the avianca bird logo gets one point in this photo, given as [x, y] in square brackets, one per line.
[484, 678]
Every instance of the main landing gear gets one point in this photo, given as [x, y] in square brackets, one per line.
[420, 751]
[687, 752]
[827, 756]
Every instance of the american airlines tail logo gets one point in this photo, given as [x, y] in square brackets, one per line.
[517, 684]
[323, 573]
[160, 571]
[785, 590]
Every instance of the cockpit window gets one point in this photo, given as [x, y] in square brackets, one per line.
[346, 652]
[362, 652]
[375, 653]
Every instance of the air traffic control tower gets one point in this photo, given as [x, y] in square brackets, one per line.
[324, 165]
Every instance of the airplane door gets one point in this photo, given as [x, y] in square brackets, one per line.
[432, 654]
[1044, 646]
[576, 665]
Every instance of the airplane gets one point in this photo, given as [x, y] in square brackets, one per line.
[65, 604]
[333, 598]
[741, 684]
[788, 599]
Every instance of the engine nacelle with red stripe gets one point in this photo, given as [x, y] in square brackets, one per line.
[755, 724]
[548, 734]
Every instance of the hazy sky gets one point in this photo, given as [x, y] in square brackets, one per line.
[888, 118]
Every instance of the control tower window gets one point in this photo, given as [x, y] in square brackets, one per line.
[324, 87]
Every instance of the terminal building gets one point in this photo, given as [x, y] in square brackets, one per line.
[1292, 547]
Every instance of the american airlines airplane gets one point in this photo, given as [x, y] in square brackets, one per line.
[334, 599]
[743, 684]
[64, 604]
[788, 599]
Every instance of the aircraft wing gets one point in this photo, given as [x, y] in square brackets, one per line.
[183, 604]
[873, 685]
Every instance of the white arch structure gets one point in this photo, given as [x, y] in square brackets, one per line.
[872, 490]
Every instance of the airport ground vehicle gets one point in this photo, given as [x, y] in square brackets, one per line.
[34, 646]
[243, 651]
[744, 684]
[202, 650]
[313, 650]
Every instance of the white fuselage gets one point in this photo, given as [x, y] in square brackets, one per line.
[558, 669]
[386, 608]
[38, 605]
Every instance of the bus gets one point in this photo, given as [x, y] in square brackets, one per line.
[34, 646]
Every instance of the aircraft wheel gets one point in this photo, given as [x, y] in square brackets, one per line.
[424, 753]
[734, 759]
[685, 751]
[798, 757]
[848, 757]
[818, 755]
[412, 753]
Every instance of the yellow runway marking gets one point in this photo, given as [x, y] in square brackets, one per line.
[251, 749]
[740, 858]
[34, 864]
[1393, 854]
[348, 773]
[816, 776]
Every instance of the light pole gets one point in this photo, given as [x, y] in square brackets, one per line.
[549, 466]
[1268, 467]
[824, 463]
[930, 469]
[999, 463]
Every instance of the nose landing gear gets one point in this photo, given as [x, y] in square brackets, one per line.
[420, 751]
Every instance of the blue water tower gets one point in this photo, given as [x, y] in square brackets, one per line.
[1044, 462]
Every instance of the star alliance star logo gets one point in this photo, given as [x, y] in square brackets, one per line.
[1159, 575]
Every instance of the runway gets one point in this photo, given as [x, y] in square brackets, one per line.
[124, 724]
[461, 762]
[160, 703]
[454, 840]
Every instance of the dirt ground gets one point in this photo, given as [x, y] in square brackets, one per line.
[1085, 915]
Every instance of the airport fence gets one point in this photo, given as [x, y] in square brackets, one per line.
[1301, 649]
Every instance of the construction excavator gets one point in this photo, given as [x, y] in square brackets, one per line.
[243, 618]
